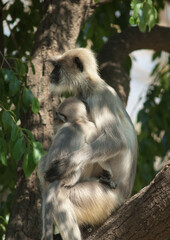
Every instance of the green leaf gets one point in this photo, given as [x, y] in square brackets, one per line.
[20, 67]
[3, 152]
[8, 75]
[38, 151]
[146, 10]
[152, 17]
[14, 132]
[35, 105]
[29, 134]
[33, 68]
[134, 2]
[156, 55]
[28, 165]
[6, 119]
[137, 8]
[32, 157]
[14, 86]
[19, 149]
[3, 158]
[27, 97]
[132, 21]
[142, 23]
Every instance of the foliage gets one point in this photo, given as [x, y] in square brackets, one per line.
[108, 19]
[22, 19]
[16, 143]
[115, 16]
[144, 14]
[154, 137]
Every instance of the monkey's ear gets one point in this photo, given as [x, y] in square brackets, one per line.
[78, 63]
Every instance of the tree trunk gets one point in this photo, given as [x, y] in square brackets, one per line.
[57, 32]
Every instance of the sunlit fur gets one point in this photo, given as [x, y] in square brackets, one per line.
[115, 149]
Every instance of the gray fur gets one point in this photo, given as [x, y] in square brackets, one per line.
[113, 149]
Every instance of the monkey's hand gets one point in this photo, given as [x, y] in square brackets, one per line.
[106, 178]
[57, 170]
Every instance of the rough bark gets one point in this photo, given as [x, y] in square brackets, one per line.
[145, 216]
[57, 32]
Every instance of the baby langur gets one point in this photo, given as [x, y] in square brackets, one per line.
[115, 146]
[74, 131]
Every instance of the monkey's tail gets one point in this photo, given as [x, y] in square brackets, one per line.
[49, 202]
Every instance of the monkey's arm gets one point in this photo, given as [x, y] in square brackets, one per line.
[103, 148]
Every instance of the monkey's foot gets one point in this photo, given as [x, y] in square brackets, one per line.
[105, 178]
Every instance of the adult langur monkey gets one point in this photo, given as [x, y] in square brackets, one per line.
[90, 202]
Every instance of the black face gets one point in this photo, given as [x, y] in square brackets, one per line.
[55, 74]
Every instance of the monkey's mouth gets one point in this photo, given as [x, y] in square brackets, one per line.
[61, 90]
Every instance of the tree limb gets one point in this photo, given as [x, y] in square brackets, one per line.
[131, 39]
[145, 216]
[119, 46]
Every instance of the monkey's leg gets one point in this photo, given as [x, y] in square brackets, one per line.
[93, 201]
[65, 217]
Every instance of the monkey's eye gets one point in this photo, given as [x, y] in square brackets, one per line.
[62, 118]
[78, 63]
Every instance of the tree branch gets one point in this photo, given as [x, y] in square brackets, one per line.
[131, 39]
[145, 216]
[118, 47]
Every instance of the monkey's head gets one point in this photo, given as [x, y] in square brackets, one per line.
[72, 110]
[74, 71]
